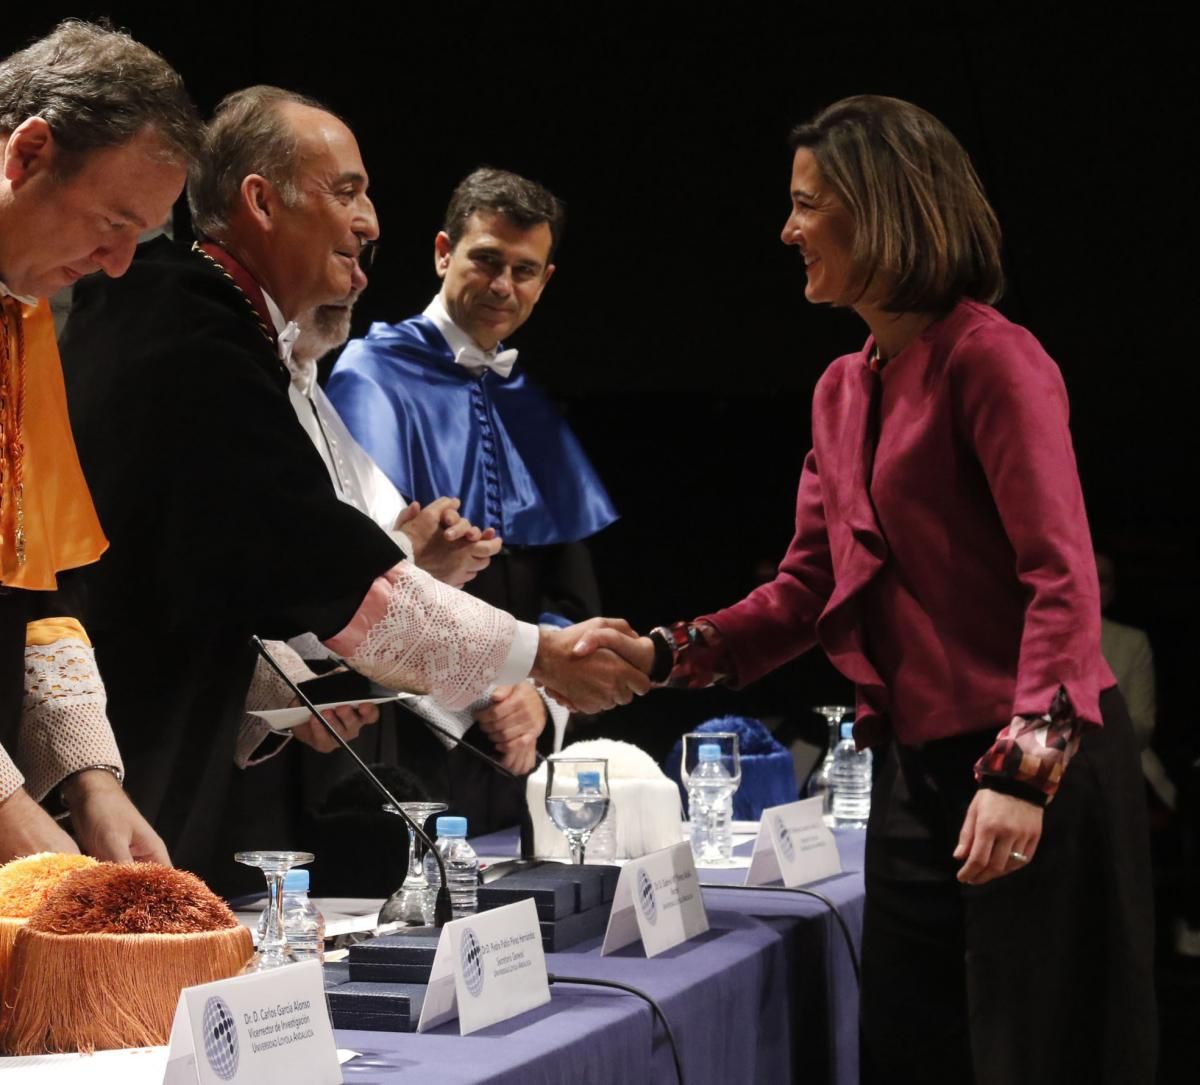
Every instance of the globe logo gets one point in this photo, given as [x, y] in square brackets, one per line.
[786, 847]
[220, 1038]
[646, 899]
[471, 956]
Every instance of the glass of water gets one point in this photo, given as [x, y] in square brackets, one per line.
[577, 798]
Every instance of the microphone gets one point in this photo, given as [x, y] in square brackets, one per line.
[442, 912]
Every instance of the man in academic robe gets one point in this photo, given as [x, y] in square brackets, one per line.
[437, 402]
[219, 510]
[95, 135]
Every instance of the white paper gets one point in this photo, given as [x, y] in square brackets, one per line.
[657, 899]
[130, 1066]
[265, 1027]
[488, 967]
[284, 719]
[794, 844]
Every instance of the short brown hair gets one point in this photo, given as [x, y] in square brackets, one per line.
[920, 213]
[247, 134]
[523, 202]
[96, 87]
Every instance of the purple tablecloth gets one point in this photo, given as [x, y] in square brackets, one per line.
[767, 995]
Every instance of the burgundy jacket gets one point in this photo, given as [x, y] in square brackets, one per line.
[942, 556]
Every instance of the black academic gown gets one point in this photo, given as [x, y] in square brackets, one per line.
[222, 524]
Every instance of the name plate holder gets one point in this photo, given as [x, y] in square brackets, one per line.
[658, 900]
[267, 1026]
[487, 968]
[793, 844]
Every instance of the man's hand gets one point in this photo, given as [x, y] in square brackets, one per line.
[106, 821]
[633, 649]
[446, 545]
[25, 829]
[591, 682]
[514, 721]
[347, 720]
[996, 825]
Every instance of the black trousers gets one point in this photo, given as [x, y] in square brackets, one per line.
[1043, 975]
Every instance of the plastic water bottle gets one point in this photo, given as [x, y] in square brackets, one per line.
[710, 807]
[302, 921]
[851, 783]
[462, 866]
[602, 844]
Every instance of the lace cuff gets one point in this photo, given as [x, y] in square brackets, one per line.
[256, 742]
[64, 725]
[10, 776]
[1031, 754]
[414, 633]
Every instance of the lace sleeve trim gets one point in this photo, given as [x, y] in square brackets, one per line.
[414, 633]
[64, 724]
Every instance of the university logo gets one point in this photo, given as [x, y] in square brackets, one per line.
[646, 900]
[786, 847]
[471, 956]
[220, 1038]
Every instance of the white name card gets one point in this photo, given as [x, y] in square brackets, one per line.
[268, 1026]
[657, 899]
[793, 844]
[487, 968]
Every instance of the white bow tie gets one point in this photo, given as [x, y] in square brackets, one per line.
[287, 339]
[501, 363]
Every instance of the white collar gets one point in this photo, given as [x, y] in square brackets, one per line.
[468, 353]
[286, 331]
[23, 299]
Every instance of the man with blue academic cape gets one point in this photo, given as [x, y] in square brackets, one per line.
[438, 404]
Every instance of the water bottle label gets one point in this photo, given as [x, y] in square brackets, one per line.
[794, 845]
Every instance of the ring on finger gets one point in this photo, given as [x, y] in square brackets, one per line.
[1018, 856]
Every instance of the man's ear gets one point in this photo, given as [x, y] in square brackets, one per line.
[260, 200]
[30, 150]
[442, 248]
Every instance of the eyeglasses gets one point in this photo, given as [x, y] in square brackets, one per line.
[367, 252]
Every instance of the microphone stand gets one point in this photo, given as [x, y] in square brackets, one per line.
[442, 912]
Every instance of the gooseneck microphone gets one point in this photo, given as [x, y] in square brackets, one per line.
[442, 911]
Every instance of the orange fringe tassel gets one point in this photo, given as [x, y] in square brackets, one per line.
[8, 936]
[86, 992]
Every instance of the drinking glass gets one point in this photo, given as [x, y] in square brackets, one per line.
[576, 810]
[821, 781]
[413, 902]
[273, 949]
[731, 759]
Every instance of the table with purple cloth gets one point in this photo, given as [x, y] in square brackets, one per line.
[767, 995]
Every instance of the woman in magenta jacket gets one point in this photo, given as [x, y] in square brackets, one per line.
[942, 560]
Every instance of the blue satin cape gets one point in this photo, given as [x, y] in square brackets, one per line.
[496, 443]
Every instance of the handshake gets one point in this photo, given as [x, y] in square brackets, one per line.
[594, 665]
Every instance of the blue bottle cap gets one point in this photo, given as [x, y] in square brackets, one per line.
[709, 751]
[451, 826]
[589, 779]
[848, 729]
[296, 881]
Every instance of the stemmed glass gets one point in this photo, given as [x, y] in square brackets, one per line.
[273, 949]
[821, 781]
[577, 798]
[716, 848]
[413, 902]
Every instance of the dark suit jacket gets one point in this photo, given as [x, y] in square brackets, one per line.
[942, 556]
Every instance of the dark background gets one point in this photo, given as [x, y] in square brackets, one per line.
[675, 333]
